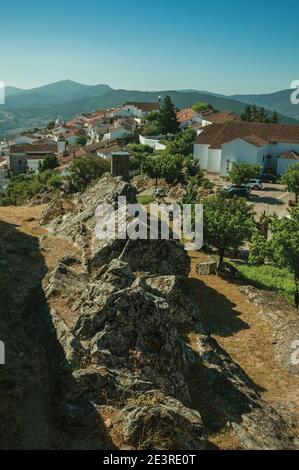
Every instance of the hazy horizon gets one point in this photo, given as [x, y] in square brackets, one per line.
[133, 89]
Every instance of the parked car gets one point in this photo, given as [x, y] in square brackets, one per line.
[237, 191]
[255, 184]
[268, 178]
[159, 192]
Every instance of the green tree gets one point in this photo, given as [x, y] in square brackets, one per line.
[139, 155]
[152, 168]
[191, 195]
[262, 116]
[291, 180]
[51, 125]
[49, 163]
[242, 173]
[253, 113]
[152, 117]
[23, 187]
[247, 114]
[84, 170]
[167, 120]
[192, 170]
[183, 144]
[284, 245]
[172, 168]
[228, 223]
[258, 249]
[150, 128]
[274, 118]
[82, 140]
[200, 107]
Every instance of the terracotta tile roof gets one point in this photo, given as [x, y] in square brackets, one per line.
[109, 150]
[46, 141]
[93, 147]
[34, 148]
[185, 115]
[223, 116]
[101, 145]
[144, 106]
[291, 155]
[217, 134]
[74, 122]
[256, 140]
[70, 133]
[121, 125]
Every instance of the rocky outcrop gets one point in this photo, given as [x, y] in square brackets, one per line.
[207, 268]
[165, 425]
[114, 325]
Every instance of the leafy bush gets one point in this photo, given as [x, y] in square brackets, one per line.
[146, 199]
[258, 250]
[270, 278]
[291, 180]
[150, 128]
[200, 107]
[228, 223]
[84, 170]
[49, 163]
[24, 187]
[139, 154]
[242, 173]
[207, 184]
[183, 144]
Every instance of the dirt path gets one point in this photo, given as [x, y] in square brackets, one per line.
[27, 406]
[237, 327]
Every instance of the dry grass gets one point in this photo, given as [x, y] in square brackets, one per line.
[238, 328]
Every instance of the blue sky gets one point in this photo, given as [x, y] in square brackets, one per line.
[221, 46]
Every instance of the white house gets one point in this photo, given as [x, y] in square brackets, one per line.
[33, 163]
[105, 148]
[24, 139]
[94, 130]
[3, 147]
[186, 117]
[70, 136]
[3, 168]
[138, 109]
[121, 129]
[19, 155]
[285, 160]
[219, 145]
[57, 131]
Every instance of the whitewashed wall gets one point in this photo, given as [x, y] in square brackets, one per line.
[23, 139]
[283, 164]
[200, 153]
[214, 160]
[33, 165]
[118, 133]
[242, 152]
[153, 143]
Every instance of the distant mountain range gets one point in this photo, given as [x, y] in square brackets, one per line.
[36, 107]
[281, 101]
